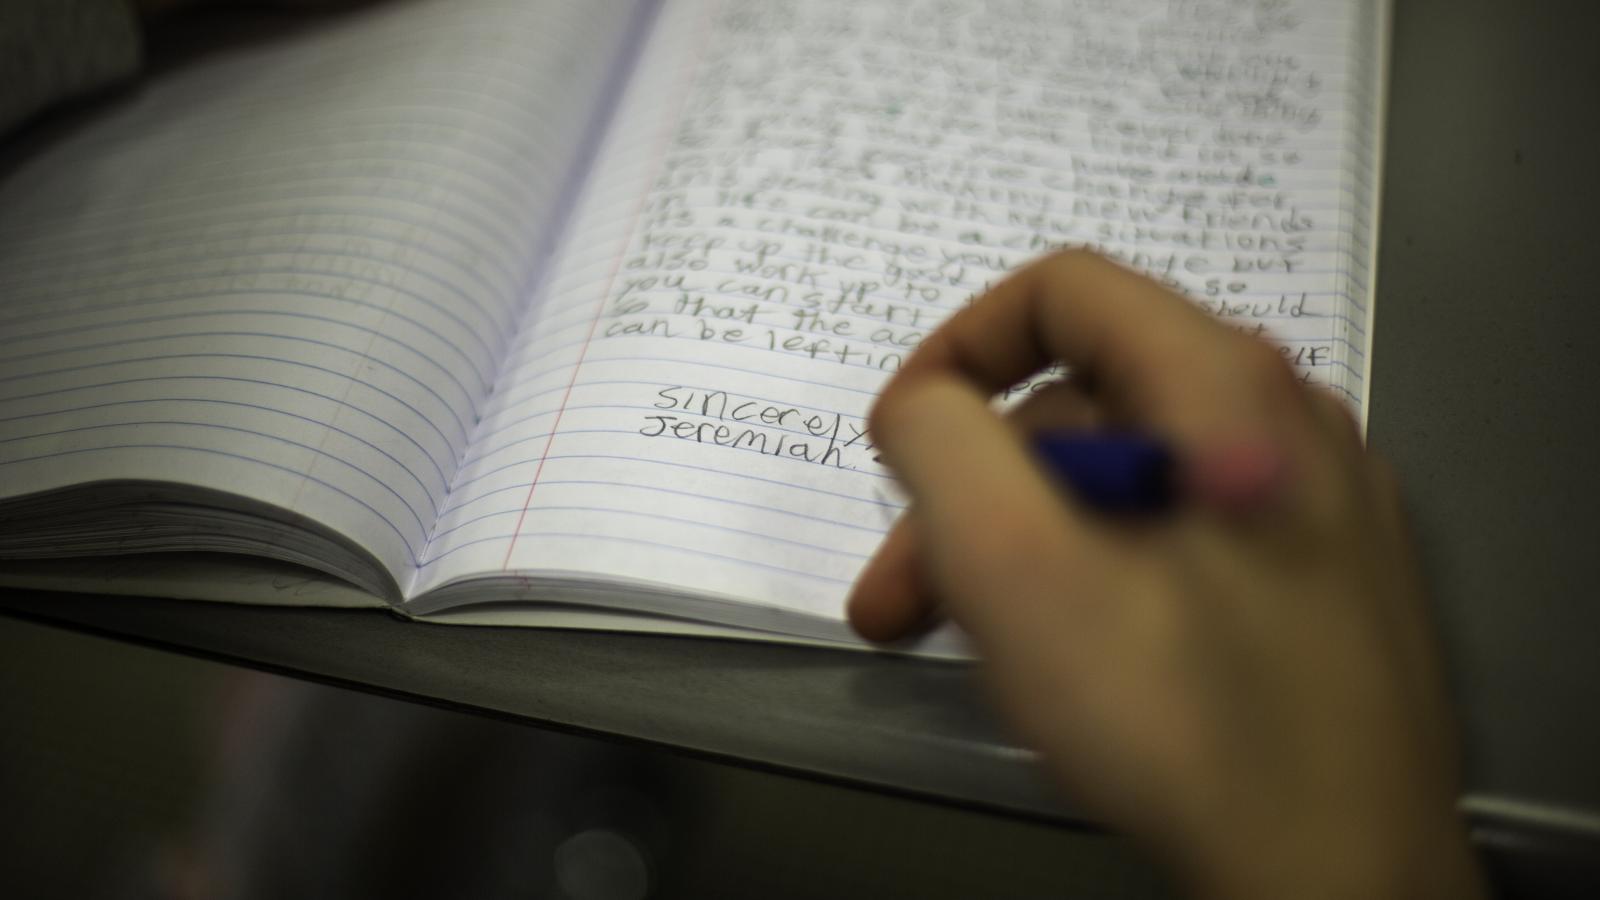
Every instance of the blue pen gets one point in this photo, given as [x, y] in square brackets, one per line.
[1112, 473]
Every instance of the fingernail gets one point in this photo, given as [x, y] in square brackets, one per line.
[1237, 477]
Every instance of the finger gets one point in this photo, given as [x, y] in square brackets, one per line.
[996, 542]
[1160, 360]
[1058, 405]
[891, 598]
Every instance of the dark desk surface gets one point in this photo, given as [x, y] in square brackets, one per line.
[1485, 371]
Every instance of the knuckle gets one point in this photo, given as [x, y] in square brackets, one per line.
[1073, 256]
[1067, 262]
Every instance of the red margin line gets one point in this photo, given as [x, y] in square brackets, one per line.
[556, 425]
[616, 266]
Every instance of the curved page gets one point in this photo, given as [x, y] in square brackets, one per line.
[288, 272]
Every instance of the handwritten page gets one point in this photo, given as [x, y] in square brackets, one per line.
[793, 195]
[289, 273]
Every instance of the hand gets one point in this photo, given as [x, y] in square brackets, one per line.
[1248, 684]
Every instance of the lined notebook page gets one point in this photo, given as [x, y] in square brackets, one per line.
[794, 195]
[290, 272]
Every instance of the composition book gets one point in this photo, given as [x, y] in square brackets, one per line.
[487, 307]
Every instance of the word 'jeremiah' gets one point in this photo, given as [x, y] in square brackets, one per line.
[772, 429]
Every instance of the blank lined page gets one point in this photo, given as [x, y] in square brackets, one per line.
[794, 195]
[290, 271]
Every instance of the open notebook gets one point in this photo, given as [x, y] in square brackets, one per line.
[487, 305]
